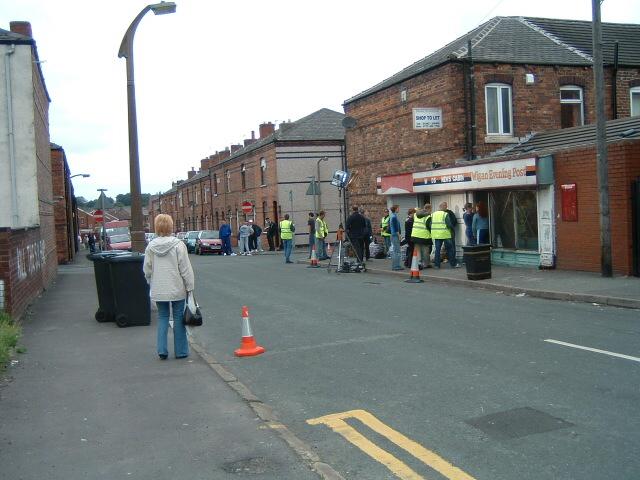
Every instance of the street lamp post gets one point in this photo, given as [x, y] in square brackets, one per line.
[126, 50]
[323, 159]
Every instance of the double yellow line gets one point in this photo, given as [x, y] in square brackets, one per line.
[336, 422]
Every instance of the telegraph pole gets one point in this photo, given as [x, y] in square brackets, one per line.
[601, 143]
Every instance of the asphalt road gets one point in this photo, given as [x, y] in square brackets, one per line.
[463, 380]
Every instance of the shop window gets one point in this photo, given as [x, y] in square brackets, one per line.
[514, 216]
[634, 95]
[571, 107]
[498, 106]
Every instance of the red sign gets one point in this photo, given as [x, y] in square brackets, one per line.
[569, 194]
[98, 216]
[247, 207]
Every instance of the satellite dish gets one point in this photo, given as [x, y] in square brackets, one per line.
[348, 122]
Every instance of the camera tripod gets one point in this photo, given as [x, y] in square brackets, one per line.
[343, 265]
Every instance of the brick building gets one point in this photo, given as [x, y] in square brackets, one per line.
[484, 92]
[65, 208]
[271, 172]
[28, 257]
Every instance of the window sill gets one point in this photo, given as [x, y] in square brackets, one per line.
[262, 186]
[500, 139]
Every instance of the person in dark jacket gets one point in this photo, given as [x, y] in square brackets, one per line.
[225, 236]
[368, 234]
[467, 217]
[272, 231]
[408, 226]
[356, 230]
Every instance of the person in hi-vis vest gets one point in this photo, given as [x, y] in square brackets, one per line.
[421, 236]
[286, 234]
[441, 227]
[322, 230]
[385, 233]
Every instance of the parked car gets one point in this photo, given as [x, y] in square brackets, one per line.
[190, 240]
[119, 242]
[181, 235]
[208, 241]
[149, 236]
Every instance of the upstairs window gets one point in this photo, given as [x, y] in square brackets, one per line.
[215, 184]
[263, 168]
[197, 195]
[206, 195]
[498, 106]
[634, 95]
[243, 176]
[227, 175]
[571, 106]
[180, 199]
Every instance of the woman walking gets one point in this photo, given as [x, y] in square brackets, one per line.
[168, 271]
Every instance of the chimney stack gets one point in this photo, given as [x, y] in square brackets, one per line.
[191, 173]
[23, 28]
[267, 129]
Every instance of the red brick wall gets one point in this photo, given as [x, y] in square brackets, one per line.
[25, 267]
[578, 243]
[384, 141]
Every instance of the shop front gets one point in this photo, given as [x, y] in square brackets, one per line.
[518, 195]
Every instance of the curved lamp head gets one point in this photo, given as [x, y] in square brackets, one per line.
[163, 8]
[83, 175]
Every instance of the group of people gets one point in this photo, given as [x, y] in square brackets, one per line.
[88, 240]
[249, 237]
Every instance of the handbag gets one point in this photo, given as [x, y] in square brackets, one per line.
[192, 313]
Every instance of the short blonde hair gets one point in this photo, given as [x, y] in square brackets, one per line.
[163, 225]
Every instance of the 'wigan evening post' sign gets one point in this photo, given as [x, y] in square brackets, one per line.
[427, 118]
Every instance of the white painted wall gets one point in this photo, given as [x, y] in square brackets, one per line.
[24, 138]
[294, 165]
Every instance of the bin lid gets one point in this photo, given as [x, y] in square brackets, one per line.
[472, 248]
[127, 257]
[101, 256]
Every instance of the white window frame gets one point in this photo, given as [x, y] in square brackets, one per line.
[501, 131]
[206, 195]
[180, 199]
[228, 177]
[263, 171]
[579, 101]
[633, 91]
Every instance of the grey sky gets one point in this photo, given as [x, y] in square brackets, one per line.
[209, 74]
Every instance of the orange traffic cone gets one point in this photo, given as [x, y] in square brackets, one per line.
[329, 249]
[248, 346]
[415, 269]
[314, 257]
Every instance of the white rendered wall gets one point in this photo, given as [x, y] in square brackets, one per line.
[24, 138]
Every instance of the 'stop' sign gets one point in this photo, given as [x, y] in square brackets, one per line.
[427, 118]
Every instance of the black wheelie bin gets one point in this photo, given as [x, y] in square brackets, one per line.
[477, 259]
[106, 306]
[130, 290]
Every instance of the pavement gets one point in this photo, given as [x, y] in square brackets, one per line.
[90, 400]
[566, 285]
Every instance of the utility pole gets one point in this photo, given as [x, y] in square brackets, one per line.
[601, 143]
[103, 231]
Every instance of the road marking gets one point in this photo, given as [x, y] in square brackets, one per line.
[589, 349]
[336, 422]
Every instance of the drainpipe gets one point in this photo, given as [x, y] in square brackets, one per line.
[12, 146]
[472, 98]
[614, 82]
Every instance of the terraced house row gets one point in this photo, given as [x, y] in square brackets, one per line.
[502, 115]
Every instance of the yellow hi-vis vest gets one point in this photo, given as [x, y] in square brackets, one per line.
[439, 230]
[419, 229]
[385, 223]
[323, 231]
[285, 230]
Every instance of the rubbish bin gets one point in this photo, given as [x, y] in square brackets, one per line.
[106, 307]
[130, 290]
[477, 259]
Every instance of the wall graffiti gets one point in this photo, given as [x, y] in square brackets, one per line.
[30, 259]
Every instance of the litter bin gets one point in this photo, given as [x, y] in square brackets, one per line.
[477, 259]
[106, 307]
[130, 290]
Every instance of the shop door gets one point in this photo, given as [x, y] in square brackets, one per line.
[455, 202]
[635, 199]
[405, 202]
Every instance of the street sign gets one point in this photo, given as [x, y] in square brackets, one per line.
[247, 207]
[98, 216]
[313, 189]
